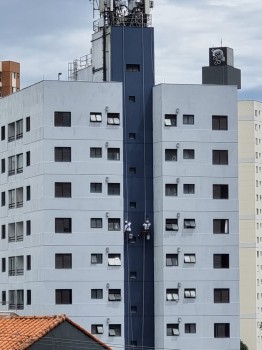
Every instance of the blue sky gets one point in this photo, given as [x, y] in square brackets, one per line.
[45, 35]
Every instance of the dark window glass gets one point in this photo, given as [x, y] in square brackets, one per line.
[172, 329]
[221, 330]
[2, 199]
[28, 297]
[189, 188]
[113, 153]
[114, 294]
[113, 224]
[3, 232]
[2, 133]
[171, 224]
[133, 67]
[28, 227]
[63, 296]
[170, 120]
[3, 165]
[221, 261]
[171, 259]
[28, 262]
[219, 122]
[96, 223]
[63, 119]
[188, 153]
[28, 193]
[221, 295]
[190, 328]
[113, 189]
[63, 225]
[220, 226]
[114, 330]
[3, 265]
[96, 258]
[28, 161]
[62, 154]
[95, 152]
[113, 118]
[132, 99]
[27, 124]
[3, 297]
[96, 293]
[220, 157]
[171, 189]
[188, 119]
[63, 189]
[63, 261]
[220, 191]
[96, 187]
[171, 155]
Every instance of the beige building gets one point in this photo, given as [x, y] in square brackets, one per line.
[250, 204]
[9, 77]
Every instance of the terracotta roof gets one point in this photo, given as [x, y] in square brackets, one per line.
[20, 332]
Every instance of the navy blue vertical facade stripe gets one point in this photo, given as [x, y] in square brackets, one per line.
[135, 46]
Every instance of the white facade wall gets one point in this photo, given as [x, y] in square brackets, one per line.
[40, 102]
[250, 195]
[202, 102]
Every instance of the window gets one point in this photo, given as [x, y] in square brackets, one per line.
[132, 205]
[11, 165]
[189, 188]
[113, 189]
[114, 260]
[113, 153]
[2, 133]
[62, 154]
[28, 158]
[170, 119]
[133, 67]
[11, 132]
[63, 225]
[113, 224]
[63, 189]
[171, 224]
[95, 152]
[221, 295]
[63, 261]
[96, 223]
[28, 193]
[172, 294]
[27, 124]
[3, 232]
[132, 99]
[172, 329]
[11, 195]
[97, 329]
[63, 119]
[188, 153]
[96, 187]
[3, 265]
[171, 155]
[221, 330]
[188, 119]
[220, 157]
[2, 199]
[220, 226]
[114, 294]
[133, 274]
[28, 227]
[189, 223]
[113, 119]
[132, 170]
[171, 259]
[3, 165]
[96, 293]
[220, 191]
[114, 330]
[219, 122]
[190, 328]
[28, 297]
[63, 296]
[19, 129]
[28, 262]
[16, 299]
[190, 293]
[221, 261]
[171, 189]
[3, 297]
[189, 258]
[19, 163]
[95, 117]
[96, 258]
[132, 135]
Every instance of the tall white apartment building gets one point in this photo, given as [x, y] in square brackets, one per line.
[250, 196]
[119, 199]
[196, 217]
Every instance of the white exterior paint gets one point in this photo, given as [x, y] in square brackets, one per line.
[250, 192]
[40, 101]
[203, 102]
